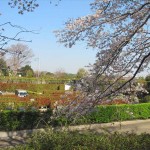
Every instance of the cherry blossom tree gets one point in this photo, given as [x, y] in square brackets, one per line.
[120, 32]
[23, 5]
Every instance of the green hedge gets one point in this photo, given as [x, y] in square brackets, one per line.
[146, 99]
[110, 113]
[17, 120]
[34, 80]
[11, 87]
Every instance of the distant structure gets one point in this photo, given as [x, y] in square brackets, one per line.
[67, 87]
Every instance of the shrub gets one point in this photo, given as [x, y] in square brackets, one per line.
[13, 120]
[146, 99]
[110, 113]
[20, 120]
[52, 140]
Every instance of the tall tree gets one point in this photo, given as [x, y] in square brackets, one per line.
[81, 73]
[26, 71]
[120, 31]
[19, 56]
[60, 73]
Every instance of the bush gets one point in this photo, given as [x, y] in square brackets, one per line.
[15, 120]
[110, 113]
[146, 99]
[52, 140]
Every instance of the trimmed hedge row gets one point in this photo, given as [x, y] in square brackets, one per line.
[15, 120]
[31, 87]
[33, 80]
[110, 113]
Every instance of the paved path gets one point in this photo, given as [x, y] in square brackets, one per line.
[11, 141]
[137, 126]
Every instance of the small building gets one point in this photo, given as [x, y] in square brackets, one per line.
[67, 87]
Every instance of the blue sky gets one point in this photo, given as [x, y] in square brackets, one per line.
[47, 18]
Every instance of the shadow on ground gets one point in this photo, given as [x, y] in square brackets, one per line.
[12, 141]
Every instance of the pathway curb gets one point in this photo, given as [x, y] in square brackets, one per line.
[137, 126]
